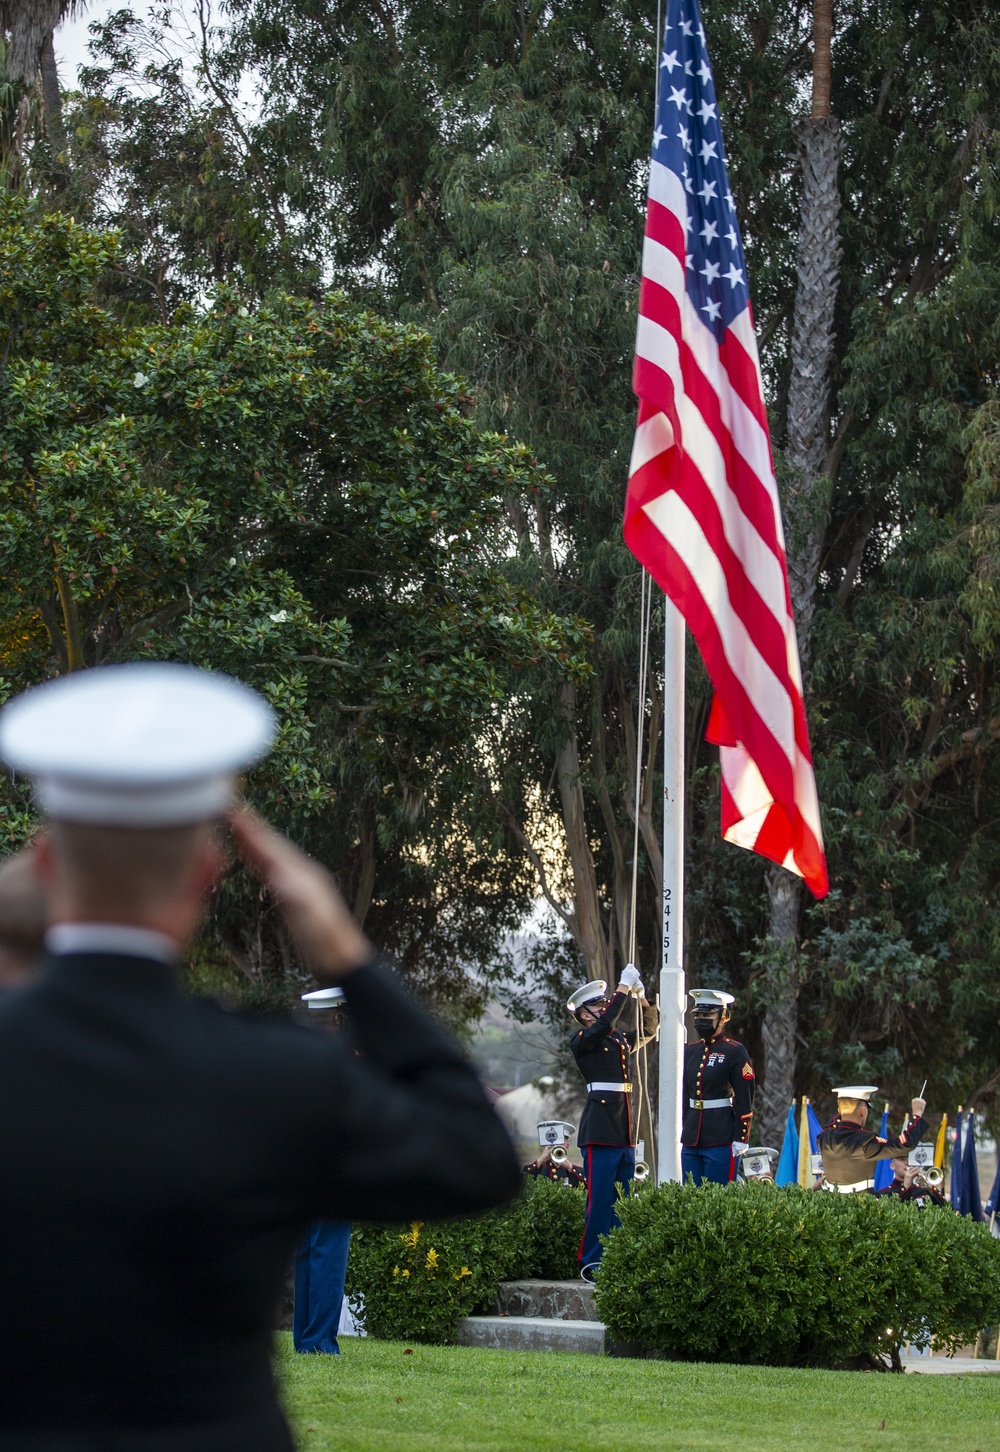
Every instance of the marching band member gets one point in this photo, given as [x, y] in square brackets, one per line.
[718, 1094]
[908, 1184]
[545, 1167]
[607, 1134]
[849, 1150]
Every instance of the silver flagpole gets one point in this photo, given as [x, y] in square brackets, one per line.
[668, 1159]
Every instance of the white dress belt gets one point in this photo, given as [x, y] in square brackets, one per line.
[601, 1088]
[851, 1189]
[710, 1103]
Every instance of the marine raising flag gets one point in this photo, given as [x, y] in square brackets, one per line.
[702, 511]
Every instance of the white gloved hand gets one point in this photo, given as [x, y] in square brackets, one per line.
[739, 1148]
[630, 977]
[640, 989]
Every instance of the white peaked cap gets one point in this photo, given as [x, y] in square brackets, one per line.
[324, 998]
[589, 993]
[856, 1091]
[711, 998]
[148, 745]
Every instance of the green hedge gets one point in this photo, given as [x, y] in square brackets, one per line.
[414, 1282]
[793, 1277]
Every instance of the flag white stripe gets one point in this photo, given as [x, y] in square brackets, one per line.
[658, 346]
[652, 437]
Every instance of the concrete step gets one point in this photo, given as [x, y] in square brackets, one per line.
[531, 1333]
[558, 1300]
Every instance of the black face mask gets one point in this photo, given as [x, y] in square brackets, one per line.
[704, 1027]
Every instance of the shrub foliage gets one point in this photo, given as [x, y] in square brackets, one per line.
[793, 1277]
[414, 1282]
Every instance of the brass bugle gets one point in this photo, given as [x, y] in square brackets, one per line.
[933, 1176]
[641, 1171]
[559, 1155]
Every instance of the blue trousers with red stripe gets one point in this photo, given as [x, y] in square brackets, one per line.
[607, 1167]
[713, 1163]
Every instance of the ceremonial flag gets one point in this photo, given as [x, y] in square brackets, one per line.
[941, 1143]
[956, 1163]
[788, 1160]
[964, 1169]
[702, 511]
[991, 1209]
[884, 1173]
[809, 1130]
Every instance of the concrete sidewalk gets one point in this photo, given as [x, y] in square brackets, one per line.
[947, 1365]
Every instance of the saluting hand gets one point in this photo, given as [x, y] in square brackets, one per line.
[331, 943]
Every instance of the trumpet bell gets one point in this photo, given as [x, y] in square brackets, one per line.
[559, 1155]
[641, 1171]
[933, 1176]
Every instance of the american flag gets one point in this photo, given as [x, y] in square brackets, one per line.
[702, 512]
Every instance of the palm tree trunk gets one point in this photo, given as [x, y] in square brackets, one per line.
[51, 99]
[807, 507]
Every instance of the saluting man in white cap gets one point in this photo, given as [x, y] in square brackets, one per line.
[602, 1051]
[718, 1093]
[160, 1157]
[849, 1150]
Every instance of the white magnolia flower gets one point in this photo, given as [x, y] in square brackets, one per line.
[140, 380]
[279, 617]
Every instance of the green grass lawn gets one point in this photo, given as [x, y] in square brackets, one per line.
[379, 1397]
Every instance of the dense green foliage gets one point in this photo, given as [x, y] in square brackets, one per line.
[551, 1220]
[414, 1283]
[793, 1277]
[295, 495]
[385, 1397]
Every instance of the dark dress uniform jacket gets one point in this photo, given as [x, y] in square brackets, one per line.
[567, 1173]
[919, 1195]
[159, 1160]
[601, 1051]
[719, 1069]
[849, 1152]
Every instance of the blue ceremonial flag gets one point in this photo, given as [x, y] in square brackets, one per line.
[992, 1207]
[884, 1173]
[965, 1171]
[956, 1163]
[787, 1172]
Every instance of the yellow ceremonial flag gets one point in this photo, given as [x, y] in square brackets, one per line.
[805, 1175]
[941, 1141]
